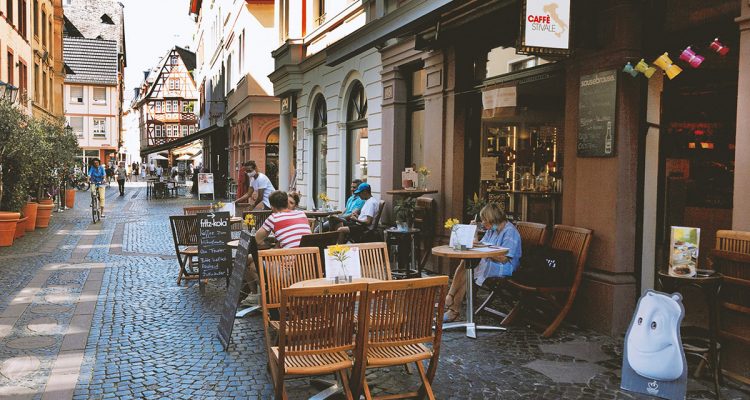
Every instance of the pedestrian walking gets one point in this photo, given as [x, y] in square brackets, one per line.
[151, 169]
[121, 173]
[143, 172]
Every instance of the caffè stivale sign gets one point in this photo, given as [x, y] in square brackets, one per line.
[545, 27]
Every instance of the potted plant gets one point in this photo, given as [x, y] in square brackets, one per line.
[404, 211]
[474, 205]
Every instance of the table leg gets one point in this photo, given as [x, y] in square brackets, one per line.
[471, 327]
[413, 255]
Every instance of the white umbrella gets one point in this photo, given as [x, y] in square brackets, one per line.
[184, 157]
[160, 157]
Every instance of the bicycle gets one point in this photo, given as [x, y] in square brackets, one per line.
[96, 215]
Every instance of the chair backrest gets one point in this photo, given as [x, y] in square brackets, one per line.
[194, 210]
[321, 241]
[260, 216]
[424, 215]
[184, 230]
[376, 220]
[373, 258]
[240, 209]
[403, 312]
[733, 241]
[576, 241]
[532, 233]
[319, 319]
[281, 268]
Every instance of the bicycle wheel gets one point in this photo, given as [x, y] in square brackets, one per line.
[95, 207]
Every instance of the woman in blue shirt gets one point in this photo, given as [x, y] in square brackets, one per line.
[501, 233]
[97, 175]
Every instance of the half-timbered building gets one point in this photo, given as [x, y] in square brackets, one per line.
[166, 102]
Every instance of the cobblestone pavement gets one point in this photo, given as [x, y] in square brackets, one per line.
[94, 312]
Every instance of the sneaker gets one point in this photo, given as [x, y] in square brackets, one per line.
[251, 300]
[102, 216]
[450, 316]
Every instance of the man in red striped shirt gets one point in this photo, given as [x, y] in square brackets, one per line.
[287, 225]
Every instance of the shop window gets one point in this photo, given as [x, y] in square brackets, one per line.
[100, 95]
[76, 94]
[320, 146]
[505, 60]
[357, 135]
[523, 64]
[415, 118]
[100, 127]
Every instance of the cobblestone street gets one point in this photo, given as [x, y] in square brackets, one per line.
[94, 312]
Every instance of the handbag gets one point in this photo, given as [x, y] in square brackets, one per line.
[546, 267]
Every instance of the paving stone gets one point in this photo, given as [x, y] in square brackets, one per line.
[44, 325]
[17, 368]
[579, 349]
[31, 342]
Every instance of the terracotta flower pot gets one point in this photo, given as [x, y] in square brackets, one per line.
[43, 213]
[45, 201]
[29, 210]
[21, 227]
[70, 198]
[8, 222]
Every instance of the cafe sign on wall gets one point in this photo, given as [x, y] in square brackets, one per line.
[545, 27]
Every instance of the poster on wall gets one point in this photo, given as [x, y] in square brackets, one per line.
[545, 27]
[684, 244]
[654, 362]
[597, 97]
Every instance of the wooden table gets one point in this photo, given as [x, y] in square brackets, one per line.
[321, 282]
[472, 258]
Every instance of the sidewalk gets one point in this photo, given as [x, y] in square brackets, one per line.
[93, 311]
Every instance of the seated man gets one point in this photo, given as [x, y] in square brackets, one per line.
[360, 221]
[287, 225]
[353, 203]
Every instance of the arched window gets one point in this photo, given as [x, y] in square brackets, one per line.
[320, 146]
[356, 128]
[272, 157]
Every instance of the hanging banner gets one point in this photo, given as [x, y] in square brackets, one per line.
[545, 27]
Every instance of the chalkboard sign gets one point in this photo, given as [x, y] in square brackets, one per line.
[214, 256]
[596, 114]
[235, 288]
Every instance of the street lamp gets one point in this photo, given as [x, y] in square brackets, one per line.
[3, 88]
[8, 92]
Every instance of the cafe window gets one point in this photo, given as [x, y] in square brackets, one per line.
[320, 146]
[415, 118]
[505, 60]
[357, 135]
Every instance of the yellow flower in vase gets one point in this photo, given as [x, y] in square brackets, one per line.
[218, 205]
[325, 199]
[340, 252]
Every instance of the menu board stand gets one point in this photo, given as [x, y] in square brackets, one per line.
[236, 282]
[214, 256]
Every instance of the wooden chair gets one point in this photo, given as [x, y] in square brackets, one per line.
[279, 269]
[399, 322]
[532, 235]
[260, 216]
[425, 219]
[372, 233]
[322, 240]
[185, 236]
[194, 210]
[316, 333]
[240, 209]
[569, 238]
[374, 260]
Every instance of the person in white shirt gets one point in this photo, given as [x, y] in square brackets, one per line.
[257, 183]
[361, 220]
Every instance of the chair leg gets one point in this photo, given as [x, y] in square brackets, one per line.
[366, 389]
[513, 314]
[560, 317]
[426, 386]
[345, 384]
[485, 303]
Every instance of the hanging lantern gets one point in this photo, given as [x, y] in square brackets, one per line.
[628, 69]
[689, 56]
[643, 68]
[665, 63]
[718, 47]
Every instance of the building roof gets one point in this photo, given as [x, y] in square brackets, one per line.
[188, 58]
[103, 19]
[91, 61]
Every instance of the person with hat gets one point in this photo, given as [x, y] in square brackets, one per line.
[361, 220]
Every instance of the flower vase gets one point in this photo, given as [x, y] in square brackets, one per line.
[343, 277]
[253, 231]
[422, 182]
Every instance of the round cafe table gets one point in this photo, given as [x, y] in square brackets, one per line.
[321, 282]
[320, 216]
[472, 257]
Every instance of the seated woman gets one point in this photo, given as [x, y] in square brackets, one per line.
[501, 233]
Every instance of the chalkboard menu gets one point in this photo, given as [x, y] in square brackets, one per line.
[596, 114]
[214, 256]
[235, 288]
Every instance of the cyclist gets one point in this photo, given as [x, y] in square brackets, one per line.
[97, 176]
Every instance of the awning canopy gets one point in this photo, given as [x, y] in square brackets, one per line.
[183, 140]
